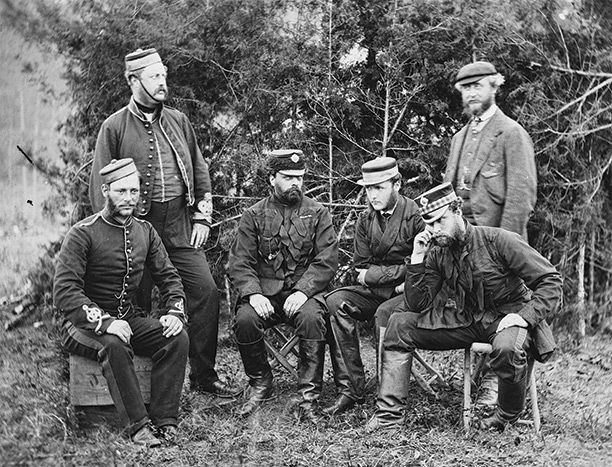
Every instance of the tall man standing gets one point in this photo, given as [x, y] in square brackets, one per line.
[384, 234]
[176, 199]
[504, 288]
[284, 256]
[100, 265]
[491, 162]
[492, 167]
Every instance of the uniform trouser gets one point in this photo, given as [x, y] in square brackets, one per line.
[346, 306]
[309, 324]
[169, 357]
[308, 320]
[509, 358]
[172, 223]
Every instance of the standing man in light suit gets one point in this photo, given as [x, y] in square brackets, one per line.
[492, 167]
[175, 198]
[491, 162]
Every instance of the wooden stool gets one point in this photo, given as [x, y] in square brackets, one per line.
[88, 386]
[485, 349]
[287, 343]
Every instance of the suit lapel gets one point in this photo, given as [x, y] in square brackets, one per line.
[392, 230]
[490, 133]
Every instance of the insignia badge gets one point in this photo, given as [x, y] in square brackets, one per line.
[93, 314]
[179, 306]
[295, 158]
[424, 201]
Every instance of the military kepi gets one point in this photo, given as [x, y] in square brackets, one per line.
[287, 161]
[474, 72]
[434, 203]
[117, 169]
[378, 170]
[140, 59]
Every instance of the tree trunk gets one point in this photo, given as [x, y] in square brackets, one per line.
[580, 293]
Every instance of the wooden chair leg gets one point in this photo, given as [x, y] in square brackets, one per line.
[467, 389]
[535, 409]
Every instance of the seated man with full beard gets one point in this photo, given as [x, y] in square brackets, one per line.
[284, 256]
[504, 290]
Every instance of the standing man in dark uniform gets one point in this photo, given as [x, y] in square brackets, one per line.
[176, 199]
[505, 291]
[99, 268]
[384, 235]
[492, 166]
[284, 256]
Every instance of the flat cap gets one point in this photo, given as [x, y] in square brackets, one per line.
[140, 59]
[117, 169]
[287, 161]
[474, 72]
[434, 203]
[378, 170]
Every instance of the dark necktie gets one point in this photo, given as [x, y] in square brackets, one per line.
[384, 220]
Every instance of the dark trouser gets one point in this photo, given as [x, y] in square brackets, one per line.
[309, 324]
[169, 357]
[171, 221]
[509, 359]
[346, 306]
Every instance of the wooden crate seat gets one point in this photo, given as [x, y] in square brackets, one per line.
[88, 386]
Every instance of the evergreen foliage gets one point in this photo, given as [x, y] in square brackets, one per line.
[376, 79]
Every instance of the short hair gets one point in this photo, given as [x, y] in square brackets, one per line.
[495, 80]
[396, 178]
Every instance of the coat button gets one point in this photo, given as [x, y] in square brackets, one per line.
[148, 174]
[151, 148]
[144, 201]
[149, 132]
[145, 192]
[147, 183]
[149, 166]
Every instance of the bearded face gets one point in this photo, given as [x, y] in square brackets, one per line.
[287, 188]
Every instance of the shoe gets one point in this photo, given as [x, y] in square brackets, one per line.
[168, 433]
[493, 423]
[377, 424]
[342, 404]
[145, 437]
[257, 395]
[217, 388]
[307, 412]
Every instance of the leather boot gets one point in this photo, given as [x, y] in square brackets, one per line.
[310, 378]
[510, 405]
[347, 365]
[393, 391]
[257, 368]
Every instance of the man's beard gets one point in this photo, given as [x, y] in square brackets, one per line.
[453, 241]
[115, 211]
[480, 109]
[290, 197]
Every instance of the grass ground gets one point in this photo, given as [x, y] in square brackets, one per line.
[39, 427]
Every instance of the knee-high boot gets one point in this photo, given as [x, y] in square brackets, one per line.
[392, 392]
[310, 378]
[510, 403]
[257, 368]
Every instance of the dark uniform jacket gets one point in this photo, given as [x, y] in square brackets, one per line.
[383, 254]
[504, 178]
[127, 133]
[494, 274]
[284, 248]
[100, 265]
